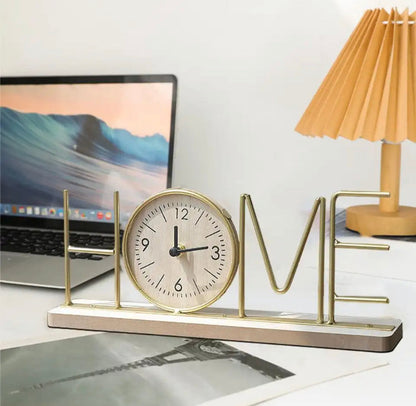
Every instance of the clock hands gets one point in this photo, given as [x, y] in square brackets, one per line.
[175, 237]
[175, 251]
[192, 249]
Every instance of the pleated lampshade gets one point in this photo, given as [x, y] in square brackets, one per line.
[370, 93]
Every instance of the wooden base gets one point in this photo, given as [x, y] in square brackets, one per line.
[369, 220]
[363, 334]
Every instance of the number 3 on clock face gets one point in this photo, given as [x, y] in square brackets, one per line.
[180, 250]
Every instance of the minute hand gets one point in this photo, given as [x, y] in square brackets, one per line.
[192, 249]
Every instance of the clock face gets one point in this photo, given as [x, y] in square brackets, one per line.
[180, 250]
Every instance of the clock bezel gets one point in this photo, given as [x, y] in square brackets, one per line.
[222, 213]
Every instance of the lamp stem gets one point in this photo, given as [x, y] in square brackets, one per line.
[390, 176]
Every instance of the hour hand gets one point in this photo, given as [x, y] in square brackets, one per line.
[173, 252]
[175, 237]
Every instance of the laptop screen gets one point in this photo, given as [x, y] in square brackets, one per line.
[90, 135]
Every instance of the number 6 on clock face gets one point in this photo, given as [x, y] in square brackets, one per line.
[180, 250]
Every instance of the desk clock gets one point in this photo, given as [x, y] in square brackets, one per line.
[181, 251]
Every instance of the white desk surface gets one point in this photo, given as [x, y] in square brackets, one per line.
[24, 309]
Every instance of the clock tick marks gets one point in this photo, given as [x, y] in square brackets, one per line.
[215, 232]
[196, 286]
[205, 269]
[199, 218]
[145, 266]
[149, 227]
[210, 270]
[164, 218]
[160, 280]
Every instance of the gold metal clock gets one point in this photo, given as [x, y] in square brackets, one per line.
[180, 250]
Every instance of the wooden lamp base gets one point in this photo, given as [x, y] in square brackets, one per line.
[369, 220]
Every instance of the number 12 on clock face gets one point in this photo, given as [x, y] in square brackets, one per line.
[180, 250]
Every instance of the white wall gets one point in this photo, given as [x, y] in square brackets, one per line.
[246, 71]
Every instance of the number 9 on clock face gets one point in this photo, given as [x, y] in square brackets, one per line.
[180, 250]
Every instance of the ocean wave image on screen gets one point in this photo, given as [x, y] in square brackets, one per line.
[43, 154]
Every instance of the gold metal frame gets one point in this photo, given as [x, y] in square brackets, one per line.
[321, 323]
[226, 220]
[334, 244]
[320, 203]
[95, 251]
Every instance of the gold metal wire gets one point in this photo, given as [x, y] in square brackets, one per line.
[117, 249]
[245, 201]
[319, 203]
[95, 251]
[242, 250]
[334, 243]
[66, 251]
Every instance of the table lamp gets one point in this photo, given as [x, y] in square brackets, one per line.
[370, 93]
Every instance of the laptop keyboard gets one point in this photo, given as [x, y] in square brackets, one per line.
[52, 242]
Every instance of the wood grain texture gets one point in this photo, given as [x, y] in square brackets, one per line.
[390, 176]
[192, 279]
[369, 220]
[248, 330]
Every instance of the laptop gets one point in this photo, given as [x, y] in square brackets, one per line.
[91, 135]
